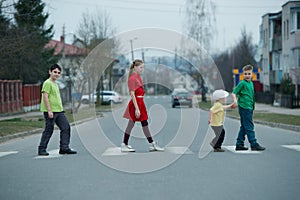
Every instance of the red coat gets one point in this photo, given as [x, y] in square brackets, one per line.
[135, 84]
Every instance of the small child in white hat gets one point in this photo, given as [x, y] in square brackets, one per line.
[216, 118]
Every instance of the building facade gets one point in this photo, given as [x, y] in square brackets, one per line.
[280, 47]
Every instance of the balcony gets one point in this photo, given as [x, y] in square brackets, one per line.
[275, 76]
[277, 44]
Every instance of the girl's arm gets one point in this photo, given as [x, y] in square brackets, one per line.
[137, 110]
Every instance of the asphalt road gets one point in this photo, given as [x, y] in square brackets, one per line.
[100, 171]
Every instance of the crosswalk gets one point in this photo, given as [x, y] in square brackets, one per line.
[293, 147]
[52, 154]
[5, 153]
[116, 151]
[179, 150]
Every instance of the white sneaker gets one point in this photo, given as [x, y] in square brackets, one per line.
[154, 147]
[127, 148]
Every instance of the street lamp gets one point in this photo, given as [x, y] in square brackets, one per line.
[131, 46]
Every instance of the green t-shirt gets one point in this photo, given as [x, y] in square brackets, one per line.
[245, 94]
[52, 89]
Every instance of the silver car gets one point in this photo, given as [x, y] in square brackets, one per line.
[108, 97]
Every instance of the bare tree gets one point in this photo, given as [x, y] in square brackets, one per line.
[94, 29]
[200, 21]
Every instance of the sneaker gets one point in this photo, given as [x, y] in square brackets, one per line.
[241, 148]
[218, 150]
[126, 148]
[258, 148]
[154, 147]
[43, 153]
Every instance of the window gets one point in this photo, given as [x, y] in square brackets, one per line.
[295, 58]
[287, 29]
[295, 20]
[298, 58]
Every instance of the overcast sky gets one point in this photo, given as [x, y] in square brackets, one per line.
[126, 15]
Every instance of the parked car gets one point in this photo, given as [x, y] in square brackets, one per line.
[181, 97]
[108, 97]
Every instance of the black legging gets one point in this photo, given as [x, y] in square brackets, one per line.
[129, 127]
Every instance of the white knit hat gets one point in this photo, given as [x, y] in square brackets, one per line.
[219, 94]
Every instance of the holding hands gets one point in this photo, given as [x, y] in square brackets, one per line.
[234, 105]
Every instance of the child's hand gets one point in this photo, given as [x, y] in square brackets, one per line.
[234, 105]
[209, 120]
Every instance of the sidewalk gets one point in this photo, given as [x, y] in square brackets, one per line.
[280, 110]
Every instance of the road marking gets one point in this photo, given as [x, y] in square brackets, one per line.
[52, 154]
[7, 153]
[293, 147]
[232, 149]
[116, 151]
[179, 150]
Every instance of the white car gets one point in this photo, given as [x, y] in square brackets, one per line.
[108, 97]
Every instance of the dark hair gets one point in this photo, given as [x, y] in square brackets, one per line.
[55, 66]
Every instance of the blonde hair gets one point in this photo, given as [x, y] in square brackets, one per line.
[136, 62]
[247, 67]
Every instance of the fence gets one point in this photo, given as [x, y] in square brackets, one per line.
[31, 97]
[290, 101]
[11, 96]
[264, 97]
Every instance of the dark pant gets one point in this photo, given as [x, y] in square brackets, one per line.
[247, 127]
[220, 134]
[62, 122]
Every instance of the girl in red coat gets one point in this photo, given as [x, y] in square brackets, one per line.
[136, 109]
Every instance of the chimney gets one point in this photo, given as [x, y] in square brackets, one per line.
[62, 39]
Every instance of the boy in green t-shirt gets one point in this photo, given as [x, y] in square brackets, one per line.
[244, 92]
[51, 105]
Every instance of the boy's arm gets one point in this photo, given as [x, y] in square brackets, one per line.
[234, 104]
[228, 106]
[209, 117]
[47, 103]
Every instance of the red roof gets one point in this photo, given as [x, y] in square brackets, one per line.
[70, 50]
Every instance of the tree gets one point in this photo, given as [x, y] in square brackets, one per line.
[237, 57]
[25, 57]
[200, 26]
[287, 86]
[243, 53]
[200, 21]
[93, 30]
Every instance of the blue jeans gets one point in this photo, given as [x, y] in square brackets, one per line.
[62, 122]
[247, 128]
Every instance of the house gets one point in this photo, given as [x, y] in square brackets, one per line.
[70, 54]
[71, 57]
[280, 47]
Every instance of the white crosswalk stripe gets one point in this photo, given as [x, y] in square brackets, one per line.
[5, 153]
[179, 150]
[116, 151]
[293, 147]
[232, 149]
[52, 154]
